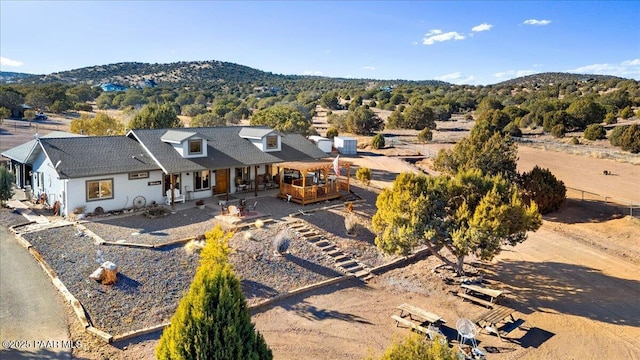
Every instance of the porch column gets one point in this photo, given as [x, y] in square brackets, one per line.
[255, 181]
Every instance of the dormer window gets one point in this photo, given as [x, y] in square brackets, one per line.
[195, 147]
[272, 142]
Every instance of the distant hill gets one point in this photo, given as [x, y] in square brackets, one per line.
[554, 78]
[198, 75]
[7, 77]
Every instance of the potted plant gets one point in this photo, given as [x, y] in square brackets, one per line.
[200, 204]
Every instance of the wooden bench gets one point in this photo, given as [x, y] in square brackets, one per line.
[477, 300]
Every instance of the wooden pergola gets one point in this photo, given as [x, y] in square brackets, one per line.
[310, 181]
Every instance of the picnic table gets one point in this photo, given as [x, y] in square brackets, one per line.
[490, 319]
[410, 310]
[491, 293]
[429, 322]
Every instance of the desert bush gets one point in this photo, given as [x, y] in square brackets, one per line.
[29, 114]
[558, 131]
[425, 135]
[595, 132]
[540, 186]
[281, 242]
[616, 135]
[513, 130]
[626, 112]
[610, 118]
[574, 141]
[630, 139]
[363, 175]
[372, 103]
[415, 347]
[332, 132]
[377, 142]
[82, 107]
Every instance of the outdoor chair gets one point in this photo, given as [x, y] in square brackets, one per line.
[177, 197]
[467, 331]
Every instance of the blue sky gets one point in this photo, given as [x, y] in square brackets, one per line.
[463, 42]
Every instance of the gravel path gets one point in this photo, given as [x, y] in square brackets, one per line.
[10, 217]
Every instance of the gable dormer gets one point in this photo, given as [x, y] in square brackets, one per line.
[265, 139]
[187, 143]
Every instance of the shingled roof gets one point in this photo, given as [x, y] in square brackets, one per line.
[225, 149]
[96, 155]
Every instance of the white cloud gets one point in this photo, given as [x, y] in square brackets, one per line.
[414, 43]
[482, 27]
[627, 69]
[312, 72]
[537, 22]
[456, 78]
[369, 67]
[513, 74]
[8, 62]
[634, 62]
[437, 35]
[537, 65]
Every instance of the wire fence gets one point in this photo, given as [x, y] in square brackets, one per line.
[605, 204]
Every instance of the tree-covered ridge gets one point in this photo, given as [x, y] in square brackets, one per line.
[8, 76]
[555, 78]
[205, 75]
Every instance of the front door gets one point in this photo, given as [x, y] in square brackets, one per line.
[222, 181]
[167, 182]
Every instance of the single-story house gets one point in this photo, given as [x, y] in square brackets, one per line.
[119, 172]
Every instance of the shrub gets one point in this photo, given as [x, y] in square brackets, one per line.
[212, 320]
[281, 242]
[595, 132]
[626, 112]
[372, 103]
[82, 107]
[574, 141]
[415, 347]
[425, 135]
[616, 134]
[363, 175]
[513, 130]
[29, 114]
[332, 132]
[6, 184]
[539, 185]
[378, 141]
[558, 131]
[630, 140]
[610, 118]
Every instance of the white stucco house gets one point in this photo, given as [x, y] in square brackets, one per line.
[120, 172]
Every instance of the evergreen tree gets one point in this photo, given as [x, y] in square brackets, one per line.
[154, 116]
[6, 185]
[212, 320]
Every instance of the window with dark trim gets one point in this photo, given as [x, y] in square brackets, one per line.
[272, 142]
[99, 189]
[138, 175]
[195, 147]
[202, 181]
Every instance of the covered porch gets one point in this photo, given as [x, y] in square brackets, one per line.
[307, 182]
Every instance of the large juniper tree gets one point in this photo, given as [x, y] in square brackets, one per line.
[470, 213]
[212, 320]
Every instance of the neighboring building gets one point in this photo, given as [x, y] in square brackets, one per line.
[322, 143]
[346, 145]
[113, 87]
[111, 171]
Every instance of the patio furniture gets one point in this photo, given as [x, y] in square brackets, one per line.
[234, 210]
[177, 197]
[467, 331]
[429, 317]
[490, 319]
[491, 293]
